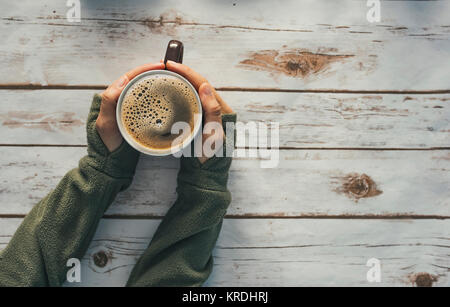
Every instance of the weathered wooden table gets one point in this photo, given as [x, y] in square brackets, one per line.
[364, 117]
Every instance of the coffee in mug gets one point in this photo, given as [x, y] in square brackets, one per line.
[153, 104]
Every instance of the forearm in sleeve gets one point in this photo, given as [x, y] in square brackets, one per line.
[61, 225]
[180, 253]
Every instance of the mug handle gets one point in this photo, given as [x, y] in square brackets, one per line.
[174, 52]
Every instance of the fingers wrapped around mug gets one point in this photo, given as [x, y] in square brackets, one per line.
[213, 134]
[197, 80]
[106, 123]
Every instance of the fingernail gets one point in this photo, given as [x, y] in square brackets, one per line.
[207, 89]
[122, 82]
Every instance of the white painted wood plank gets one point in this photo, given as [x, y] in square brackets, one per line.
[45, 117]
[308, 120]
[305, 183]
[234, 13]
[275, 252]
[308, 44]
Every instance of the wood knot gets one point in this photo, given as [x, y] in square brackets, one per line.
[423, 279]
[293, 66]
[100, 259]
[291, 62]
[358, 186]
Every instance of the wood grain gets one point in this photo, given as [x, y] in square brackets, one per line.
[307, 120]
[373, 97]
[274, 252]
[316, 45]
[305, 183]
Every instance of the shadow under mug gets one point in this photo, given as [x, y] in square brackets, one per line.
[174, 53]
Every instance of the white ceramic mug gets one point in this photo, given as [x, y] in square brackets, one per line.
[174, 53]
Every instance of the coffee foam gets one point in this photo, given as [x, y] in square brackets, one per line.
[153, 104]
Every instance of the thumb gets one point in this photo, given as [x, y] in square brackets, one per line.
[112, 93]
[211, 106]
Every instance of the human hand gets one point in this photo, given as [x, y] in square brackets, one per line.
[213, 105]
[106, 123]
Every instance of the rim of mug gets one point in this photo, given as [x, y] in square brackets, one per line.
[149, 151]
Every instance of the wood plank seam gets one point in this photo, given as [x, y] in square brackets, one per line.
[273, 217]
[32, 86]
[280, 148]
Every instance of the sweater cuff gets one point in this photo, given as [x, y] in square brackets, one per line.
[120, 163]
[213, 174]
[193, 173]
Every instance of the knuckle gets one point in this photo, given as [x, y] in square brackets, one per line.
[106, 96]
[187, 69]
[215, 109]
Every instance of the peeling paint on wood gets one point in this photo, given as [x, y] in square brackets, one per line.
[321, 120]
[275, 252]
[65, 121]
[40, 42]
[324, 237]
[304, 183]
[294, 63]
[167, 23]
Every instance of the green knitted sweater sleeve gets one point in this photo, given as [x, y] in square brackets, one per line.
[62, 224]
[180, 253]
